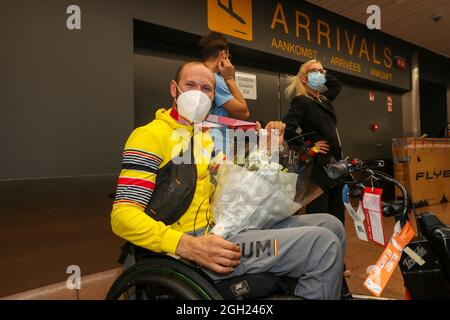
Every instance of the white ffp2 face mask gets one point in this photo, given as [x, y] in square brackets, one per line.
[193, 105]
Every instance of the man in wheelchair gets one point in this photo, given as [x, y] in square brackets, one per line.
[163, 204]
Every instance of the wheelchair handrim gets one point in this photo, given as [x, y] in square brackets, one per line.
[204, 295]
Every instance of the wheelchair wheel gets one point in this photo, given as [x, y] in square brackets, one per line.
[162, 279]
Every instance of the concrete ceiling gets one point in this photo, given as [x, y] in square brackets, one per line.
[409, 20]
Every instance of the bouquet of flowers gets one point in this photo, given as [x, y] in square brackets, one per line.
[257, 195]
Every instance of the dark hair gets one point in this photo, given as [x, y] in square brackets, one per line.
[180, 69]
[212, 44]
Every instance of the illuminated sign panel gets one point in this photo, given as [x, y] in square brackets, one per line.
[292, 29]
[232, 18]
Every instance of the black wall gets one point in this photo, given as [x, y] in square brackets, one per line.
[433, 108]
[434, 67]
[434, 80]
[66, 96]
[355, 115]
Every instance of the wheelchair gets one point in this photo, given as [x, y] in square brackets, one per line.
[154, 276]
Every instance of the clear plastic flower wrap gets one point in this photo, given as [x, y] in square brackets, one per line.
[258, 195]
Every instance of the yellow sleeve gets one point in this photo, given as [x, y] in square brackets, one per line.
[141, 160]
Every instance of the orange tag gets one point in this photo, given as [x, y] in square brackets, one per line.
[400, 240]
[386, 264]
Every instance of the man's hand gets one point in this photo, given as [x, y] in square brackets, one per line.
[210, 251]
[213, 168]
[274, 128]
[226, 69]
[237, 106]
[215, 163]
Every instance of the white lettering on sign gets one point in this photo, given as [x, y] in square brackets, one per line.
[246, 82]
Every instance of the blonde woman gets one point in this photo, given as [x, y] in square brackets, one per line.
[312, 115]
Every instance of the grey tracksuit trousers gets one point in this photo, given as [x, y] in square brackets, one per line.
[307, 247]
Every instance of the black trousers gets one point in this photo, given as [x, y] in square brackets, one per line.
[330, 201]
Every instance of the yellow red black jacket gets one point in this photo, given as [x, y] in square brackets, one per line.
[148, 149]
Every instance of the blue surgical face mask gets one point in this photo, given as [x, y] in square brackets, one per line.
[316, 80]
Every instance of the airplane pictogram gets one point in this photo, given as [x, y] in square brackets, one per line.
[229, 10]
[231, 17]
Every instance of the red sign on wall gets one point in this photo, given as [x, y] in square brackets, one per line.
[400, 63]
[389, 104]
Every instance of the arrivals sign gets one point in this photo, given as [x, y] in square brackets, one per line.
[295, 30]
